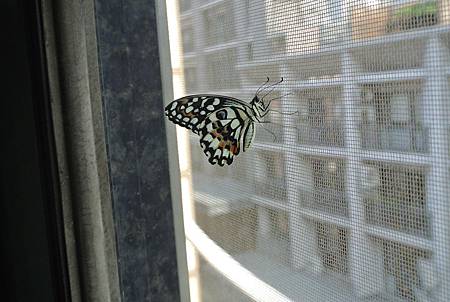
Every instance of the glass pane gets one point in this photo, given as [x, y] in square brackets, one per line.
[343, 194]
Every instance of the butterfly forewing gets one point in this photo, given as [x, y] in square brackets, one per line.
[190, 111]
[219, 121]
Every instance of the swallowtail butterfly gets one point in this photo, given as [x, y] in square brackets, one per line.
[225, 124]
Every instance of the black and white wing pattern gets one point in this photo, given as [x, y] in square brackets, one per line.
[223, 124]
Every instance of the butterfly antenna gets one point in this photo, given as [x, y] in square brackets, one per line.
[257, 91]
[278, 97]
[272, 87]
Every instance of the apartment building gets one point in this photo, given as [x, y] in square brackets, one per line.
[352, 191]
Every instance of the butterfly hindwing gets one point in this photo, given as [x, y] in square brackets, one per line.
[221, 135]
[248, 136]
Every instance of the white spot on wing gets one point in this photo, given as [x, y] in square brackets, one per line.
[210, 107]
[216, 102]
[214, 144]
[189, 109]
[174, 105]
[208, 137]
[194, 120]
[235, 123]
[230, 113]
[218, 152]
[238, 132]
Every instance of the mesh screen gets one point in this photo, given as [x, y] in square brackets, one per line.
[347, 197]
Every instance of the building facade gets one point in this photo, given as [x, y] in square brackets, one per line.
[353, 189]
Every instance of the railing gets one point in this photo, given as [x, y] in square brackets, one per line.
[329, 135]
[398, 215]
[394, 138]
[413, 16]
[326, 200]
[368, 22]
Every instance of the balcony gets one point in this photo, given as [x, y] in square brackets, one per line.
[413, 16]
[325, 199]
[398, 215]
[375, 21]
[394, 138]
[327, 135]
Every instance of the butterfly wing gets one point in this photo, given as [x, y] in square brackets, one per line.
[248, 136]
[191, 111]
[219, 120]
[221, 134]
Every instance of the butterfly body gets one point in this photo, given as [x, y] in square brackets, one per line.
[225, 124]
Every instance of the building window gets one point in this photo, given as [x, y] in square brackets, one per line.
[222, 72]
[219, 25]
[327, 192]
[320, 118]
[399, 200]
[391, 118]
[187, 35]
[332, 246]
[270, 175]
[402, 269]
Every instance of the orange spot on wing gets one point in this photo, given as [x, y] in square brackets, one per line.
[233, 148]
[226, 143]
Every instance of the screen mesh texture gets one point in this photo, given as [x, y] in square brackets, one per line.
[344, 195]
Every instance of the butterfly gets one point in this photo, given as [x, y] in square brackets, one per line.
[225, 124]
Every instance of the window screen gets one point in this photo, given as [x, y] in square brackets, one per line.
[344, 193]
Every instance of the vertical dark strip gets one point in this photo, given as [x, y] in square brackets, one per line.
[47, 150]
[32, 252]
[137, 150]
